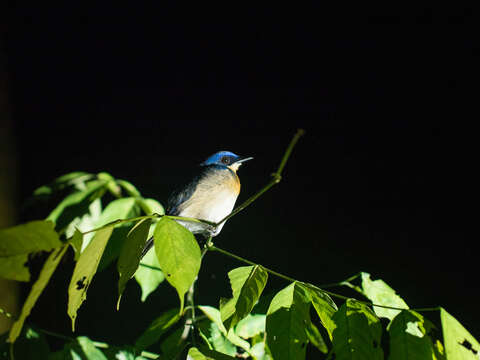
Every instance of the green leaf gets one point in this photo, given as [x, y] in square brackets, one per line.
[84, 271]
[323, 304]
[30, 345]
[459, 343]
[45, 274]
[151, 206]
[148, 275]
[77, 204]
[13, 268]
[259, 352]
[62, 182]
[358, 332]
[81, 349]
[129, 188]
[409, 337]
[214, 315]
[206, 354]
[380, 293]
[27, 238]
[287, 317]
[130, 254]
[115, 210]
[251, 326]
[157, 328]
[76, 242]
[316, 338]
[219, 341]
[247, 284]
[178, 255]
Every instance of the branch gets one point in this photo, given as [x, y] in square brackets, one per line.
[276, 177]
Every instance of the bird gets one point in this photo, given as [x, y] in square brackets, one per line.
[210, 195]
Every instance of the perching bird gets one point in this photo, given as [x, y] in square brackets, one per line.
[210, 195]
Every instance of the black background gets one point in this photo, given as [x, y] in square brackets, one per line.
[382, 181]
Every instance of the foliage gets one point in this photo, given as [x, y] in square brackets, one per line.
[300, 320]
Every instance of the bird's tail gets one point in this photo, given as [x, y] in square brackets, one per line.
[148, 246]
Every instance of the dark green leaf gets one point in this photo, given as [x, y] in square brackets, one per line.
[84, 271]
[380, 293]
[323, 304]
[409, 339]
[30, 345]
[316, 338]
[358, 332]
[76, 204]
[247, 284]
[27, 238]
[459, 343]
[287, 317]
[178, 255]
[130, 254]
[45, 274]
[157, 328]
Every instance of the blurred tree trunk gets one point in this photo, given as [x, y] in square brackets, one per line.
[9, 290]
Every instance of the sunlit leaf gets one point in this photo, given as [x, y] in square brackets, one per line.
[84, 271]
[76, 204]
[358, 332]
[148, 274]
[409, 337]
[219, 341]
[81, 349]
[178, 255]
[129, 188]
[62, 182]
[323, 304]
[459, 343]
[13, 267]
[157, 328]
[382, 294]
[76, 242]
[45, 274]
[27, 238]
[206, 354]
[115, 210]
[130, 254]
[214, 315]
[287, 317]
[251, 326]
[247, 284]
[151, 206]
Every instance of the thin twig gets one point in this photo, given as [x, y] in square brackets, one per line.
[332, 294]
[277, 176]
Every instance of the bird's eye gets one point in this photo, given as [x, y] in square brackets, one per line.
[225, 160]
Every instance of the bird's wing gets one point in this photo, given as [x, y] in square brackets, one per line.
[182, 194]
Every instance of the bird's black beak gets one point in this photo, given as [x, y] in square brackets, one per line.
[243, 159]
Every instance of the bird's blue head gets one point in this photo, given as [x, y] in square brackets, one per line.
[225, 159]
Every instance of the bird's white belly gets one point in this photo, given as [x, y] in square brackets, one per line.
[214, 209]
